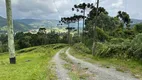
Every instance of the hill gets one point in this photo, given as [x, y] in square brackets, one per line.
[135, 21]
[36, 23]
[17, 26]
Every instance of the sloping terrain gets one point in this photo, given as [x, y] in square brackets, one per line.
[32, 64]
[39, 23]
[17, 26]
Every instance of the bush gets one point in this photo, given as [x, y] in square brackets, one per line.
[82, 48]
[101, 35]
[135, 51]
[126, 49]
[116, 40]
[138, 28]
[129, 33]
[111, 50]
[76, 39]
[4, 48]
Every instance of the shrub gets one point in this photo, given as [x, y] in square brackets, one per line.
[138, 28]
[126, 49]
[135, 51]
[82, 48]
[101, 35]
[116, 40]
[117, 50]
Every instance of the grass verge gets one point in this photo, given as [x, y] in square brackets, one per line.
[135, 67]
[32, 64]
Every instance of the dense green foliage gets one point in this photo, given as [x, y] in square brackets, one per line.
[135, 49]
[115, 38]
[81, 47]
[25, 40]
[29, 40]
[138, 28]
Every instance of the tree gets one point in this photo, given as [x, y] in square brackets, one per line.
[77, 18]
[68, 20]
[82, 7]
[125, 18]
[92, 13]
[53, 37]
[10, 32]
[24, 42]
[42, 31]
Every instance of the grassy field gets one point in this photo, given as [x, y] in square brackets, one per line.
[135, 67]
[32, 64]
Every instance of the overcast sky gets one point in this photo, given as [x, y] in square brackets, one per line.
[54, 9]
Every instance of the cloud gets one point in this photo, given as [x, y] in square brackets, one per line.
[54, 9]
[118, 4]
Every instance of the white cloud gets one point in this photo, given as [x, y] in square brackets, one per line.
[47, 9]
[118, 4]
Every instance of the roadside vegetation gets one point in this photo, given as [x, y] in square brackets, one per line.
[120, 64]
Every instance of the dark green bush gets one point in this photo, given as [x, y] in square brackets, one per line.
[101, 35]
[135, 50]
[125, 49]
[113, 50]
[116, 40]
[82, 48]
[138, 28]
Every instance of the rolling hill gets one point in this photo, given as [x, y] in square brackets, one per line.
[29, 24]
[17, 26]
[136, 21]
[36, 23]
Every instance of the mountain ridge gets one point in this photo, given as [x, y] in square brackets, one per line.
[18, 27]
[28, 24]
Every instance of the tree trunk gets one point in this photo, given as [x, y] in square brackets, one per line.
[10, 31]
[95, 31]
[68, 34]
[83, 26]
[78, 27]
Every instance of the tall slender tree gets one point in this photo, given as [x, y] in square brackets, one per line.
[95, 32]
[11, 46]
[77, 19]
[82, 8]
[124, 17]
[67, 21]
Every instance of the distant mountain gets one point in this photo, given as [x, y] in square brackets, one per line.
[29, 24]
[136, 21]
[45, 23]
[17, 25]
[39, 23]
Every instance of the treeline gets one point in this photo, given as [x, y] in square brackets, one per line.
[24, 40]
